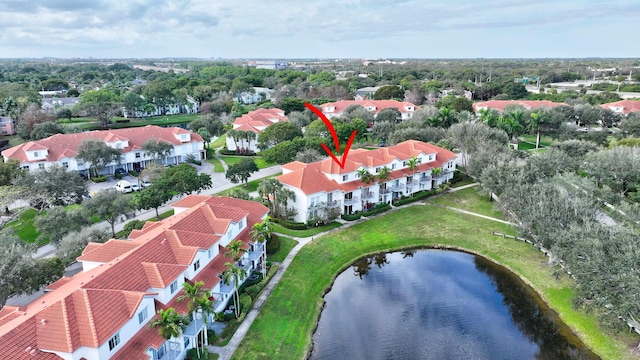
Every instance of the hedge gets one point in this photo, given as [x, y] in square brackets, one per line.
[351, 217]
[290, 224]
[245, 306]
[254, 290]
[379, 208]
[417, 196]
[99, 179]
[273, 245]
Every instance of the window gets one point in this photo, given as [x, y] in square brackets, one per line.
[186, 341]
[36, 154]
[430, 157]
[404, 163]
[40, 166]
[142, 315]
[377, 170]
[65, 164]
[345, 177]
[210, 253]
[196, 265]
[174, 286]
[137, 155]
[114, 341]
[161, 351]
[393, 166]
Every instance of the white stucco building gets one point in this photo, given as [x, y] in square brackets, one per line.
[323, 184]
[62, 148]
[104, 311]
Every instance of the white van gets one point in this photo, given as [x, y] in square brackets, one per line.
[124, 186]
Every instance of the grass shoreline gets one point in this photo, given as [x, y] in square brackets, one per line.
[285, 325]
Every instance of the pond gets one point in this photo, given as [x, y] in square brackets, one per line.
[434, 304]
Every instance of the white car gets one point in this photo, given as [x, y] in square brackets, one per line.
[145, 184]
[135, 187]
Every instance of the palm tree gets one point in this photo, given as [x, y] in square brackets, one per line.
[412, 164]
[262, 231]
[365, 176]
[536, 123]
[235, 274]
[447, 117]
[235, 250]
[284, 195]
[384, 175]
[488, 116]
[268, 189]
[232, 133]
[206, 305]
[192, 293]
[170, 323]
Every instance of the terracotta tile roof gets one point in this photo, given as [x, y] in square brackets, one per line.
[136, 347]
[259, 119]
[107, 251]
[628, 106]
[342, 105]
[190, 201]
[66, 145]
[311, 178]
[87, 309]
[500, 105]
[63, 280]
[161, 275]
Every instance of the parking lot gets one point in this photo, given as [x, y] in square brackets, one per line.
[110, 183]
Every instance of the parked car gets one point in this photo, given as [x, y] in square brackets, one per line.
[135, 187]
[145, 183]
[121, 171]
[124, 186]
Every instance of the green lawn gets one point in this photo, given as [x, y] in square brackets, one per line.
[251, 186]
[304, 233]
[220, 142]
[467, 199]
[283, 329]
[231, 160]
[24, 226]
[286, 244]
[544, 140]
[156, 120]
[217, 165]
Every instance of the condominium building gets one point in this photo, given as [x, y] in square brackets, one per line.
[62, 149]
[323, 185]
[104, 311]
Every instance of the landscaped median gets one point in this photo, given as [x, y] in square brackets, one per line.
[284, 327]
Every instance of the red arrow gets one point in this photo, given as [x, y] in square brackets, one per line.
[336, 141]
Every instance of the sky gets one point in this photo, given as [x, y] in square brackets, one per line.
[319, 28]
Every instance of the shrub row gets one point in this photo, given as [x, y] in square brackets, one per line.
[99, 179]
[290, 224]
[254, 290]
[379, 208]
[417, 196]
[273, 245]
[245, 306]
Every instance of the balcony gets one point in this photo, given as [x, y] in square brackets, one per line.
[397, 187]
[385, 191]
[257, 251]
[320, 205]
[352, 200]
[412, 182]
[334, 204]
[425, 179]
[368, 195]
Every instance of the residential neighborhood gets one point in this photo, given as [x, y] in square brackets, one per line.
[142, 218]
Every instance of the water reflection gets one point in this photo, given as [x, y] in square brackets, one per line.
[430, 304]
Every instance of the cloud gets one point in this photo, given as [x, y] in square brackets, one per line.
[282, 28]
